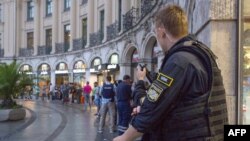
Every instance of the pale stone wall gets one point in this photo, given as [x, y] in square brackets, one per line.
[220, 34]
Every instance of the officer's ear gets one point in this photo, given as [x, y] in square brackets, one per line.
[162, 32]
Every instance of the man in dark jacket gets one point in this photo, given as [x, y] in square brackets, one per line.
[186, 101]
[123, 93]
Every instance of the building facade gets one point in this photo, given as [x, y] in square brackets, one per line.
[84, 40]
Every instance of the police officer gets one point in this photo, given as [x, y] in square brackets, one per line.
[123, 94]
[107, 105]
[186, 101]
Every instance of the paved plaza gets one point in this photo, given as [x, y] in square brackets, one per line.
[54, 121]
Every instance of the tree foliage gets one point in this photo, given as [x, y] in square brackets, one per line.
[12, 82]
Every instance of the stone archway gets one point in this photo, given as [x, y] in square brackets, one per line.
[126, 59]
[148, 52]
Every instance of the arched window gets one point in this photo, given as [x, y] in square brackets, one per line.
[26, 68]
[113, 59]
[79, 67]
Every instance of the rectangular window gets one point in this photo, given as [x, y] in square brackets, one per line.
[119, 15]
[48, 7]
[30, 10]
[84, 31]
[1, 13]
[48, 37]
[30, 40]
[67, 33]
[84, 1]
[101, 25]
[66, 5]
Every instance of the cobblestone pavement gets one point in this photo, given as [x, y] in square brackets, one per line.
[54, 121]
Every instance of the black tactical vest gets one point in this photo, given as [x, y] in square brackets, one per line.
[200, 119]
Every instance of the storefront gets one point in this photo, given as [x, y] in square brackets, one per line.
[79, 71]
[95, 71]
[112, 67]
[43, 73]
[29, 71]
[62, 73]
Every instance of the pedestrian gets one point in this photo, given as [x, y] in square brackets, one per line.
[65, 93]
[44, 88]
[123, 94]
[78, 93]
[36, 91]
[86, 91]
[108, 105]
[51, 90]
[186, 101]
[97, 98]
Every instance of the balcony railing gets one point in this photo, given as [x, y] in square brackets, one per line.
[147, 6]
[130, 18]
[62, 47]
[1, 52]
[26, 52]
[79, 44]
[112, 31]
[95, 38]
[44, 50]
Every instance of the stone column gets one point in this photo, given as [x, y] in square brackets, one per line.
[211, 24]
[71, 75]
[36, 26]
[72, 23]
[90, 20]
[107, 17]
[53, 77]
[114, 10]
[125, 6]
[18, 28]
[54, 26]
[87, 74]
[9, 28]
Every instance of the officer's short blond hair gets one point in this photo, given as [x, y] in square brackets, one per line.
[174, 19]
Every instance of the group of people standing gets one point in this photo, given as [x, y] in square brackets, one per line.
[116, 100]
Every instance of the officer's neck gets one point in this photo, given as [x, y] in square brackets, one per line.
[174, 40]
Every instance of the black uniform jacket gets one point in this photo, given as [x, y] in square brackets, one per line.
[182, 77]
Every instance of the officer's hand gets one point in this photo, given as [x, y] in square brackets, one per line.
[141, 74]
[136, 110]
[119, 138]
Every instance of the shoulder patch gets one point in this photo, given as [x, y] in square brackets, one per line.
[154, 92]
[164, 79]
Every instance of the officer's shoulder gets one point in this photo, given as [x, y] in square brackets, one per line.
[182, 57]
